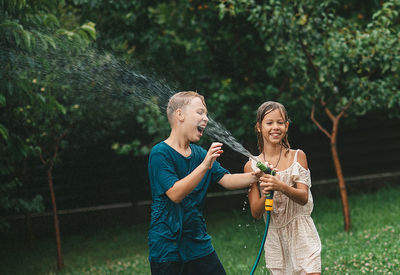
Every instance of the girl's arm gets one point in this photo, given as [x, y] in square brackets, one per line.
[297, 193]
[256, 201]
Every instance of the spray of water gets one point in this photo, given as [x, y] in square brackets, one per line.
[92, 70]
[218, 132]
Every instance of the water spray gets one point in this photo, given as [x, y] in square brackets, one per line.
[103, 74]
[268, 208]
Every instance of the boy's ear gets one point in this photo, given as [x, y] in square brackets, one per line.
[179, 115]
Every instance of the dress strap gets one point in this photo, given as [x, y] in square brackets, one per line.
[295, 156]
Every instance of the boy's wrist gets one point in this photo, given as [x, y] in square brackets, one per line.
[255, 178]
[204, 167]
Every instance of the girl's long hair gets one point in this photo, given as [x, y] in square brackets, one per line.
[262, 111]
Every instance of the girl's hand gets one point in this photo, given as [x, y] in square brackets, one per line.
[270, 183]
[212, 154]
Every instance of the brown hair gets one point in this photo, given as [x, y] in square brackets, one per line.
[262, 111]
[181, 99]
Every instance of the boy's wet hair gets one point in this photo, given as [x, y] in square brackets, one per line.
[178, 100]
[262, 111]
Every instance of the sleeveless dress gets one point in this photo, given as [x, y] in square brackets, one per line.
[292, 245]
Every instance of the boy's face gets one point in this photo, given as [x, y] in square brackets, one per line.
[195, 119]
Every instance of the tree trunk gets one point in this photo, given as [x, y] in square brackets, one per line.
[49, 162]
[332, 136]
[60, 262]
[335, 156]
[342, 187]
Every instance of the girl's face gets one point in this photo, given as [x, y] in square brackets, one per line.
[273, 127]
[195, 117]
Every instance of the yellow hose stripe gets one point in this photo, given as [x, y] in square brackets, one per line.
[268, 204]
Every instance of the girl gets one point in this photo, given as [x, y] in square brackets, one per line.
[292, 245]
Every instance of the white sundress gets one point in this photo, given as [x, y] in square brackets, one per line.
[293, 245]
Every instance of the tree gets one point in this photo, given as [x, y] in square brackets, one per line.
[331, 64]
[38, 112]
[14, 149]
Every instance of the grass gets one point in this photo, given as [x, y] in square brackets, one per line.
[371, 247]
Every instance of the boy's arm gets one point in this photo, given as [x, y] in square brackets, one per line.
[183, 187]
[241, 180]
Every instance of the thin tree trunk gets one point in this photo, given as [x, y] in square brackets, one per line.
[342, 187]
[60, 262]
[332, 137]
[50, 164]
[335, 157]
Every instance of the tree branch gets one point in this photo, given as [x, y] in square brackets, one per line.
[345, 109]
[310, 60]
[327, 111]
[41, 157]
[56, 146]
[318, 124]
[57, 142]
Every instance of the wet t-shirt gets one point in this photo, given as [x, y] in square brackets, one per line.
[178, 230]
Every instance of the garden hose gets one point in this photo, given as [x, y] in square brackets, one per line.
[268, 208]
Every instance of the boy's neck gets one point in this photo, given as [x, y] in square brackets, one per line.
[179, 143]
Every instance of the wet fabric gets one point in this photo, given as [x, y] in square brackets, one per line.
[210, 265]
[178, 230]
[292, 245]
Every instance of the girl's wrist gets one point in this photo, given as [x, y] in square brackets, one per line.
[283, 187]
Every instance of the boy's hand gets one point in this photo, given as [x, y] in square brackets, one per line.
[257, 173]
[212, 154]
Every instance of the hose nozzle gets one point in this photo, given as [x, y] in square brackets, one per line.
[267, 170]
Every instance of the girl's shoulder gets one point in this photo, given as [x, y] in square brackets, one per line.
[298, 155]
[250, 165]
[299, 152]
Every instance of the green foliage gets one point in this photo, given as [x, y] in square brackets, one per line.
[326, 57]
[12, 5]
[188, 43]
[35, 110]
[242, 53]
[154, 123]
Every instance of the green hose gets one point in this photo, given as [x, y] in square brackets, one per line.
[268, 208]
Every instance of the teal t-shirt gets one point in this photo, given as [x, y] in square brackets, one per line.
[178, 230]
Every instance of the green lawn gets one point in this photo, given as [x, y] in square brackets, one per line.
[372, 246]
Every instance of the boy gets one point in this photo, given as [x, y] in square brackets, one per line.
[180, 173]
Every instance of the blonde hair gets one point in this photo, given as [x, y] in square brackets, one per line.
[262, 111]
[179, 100]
